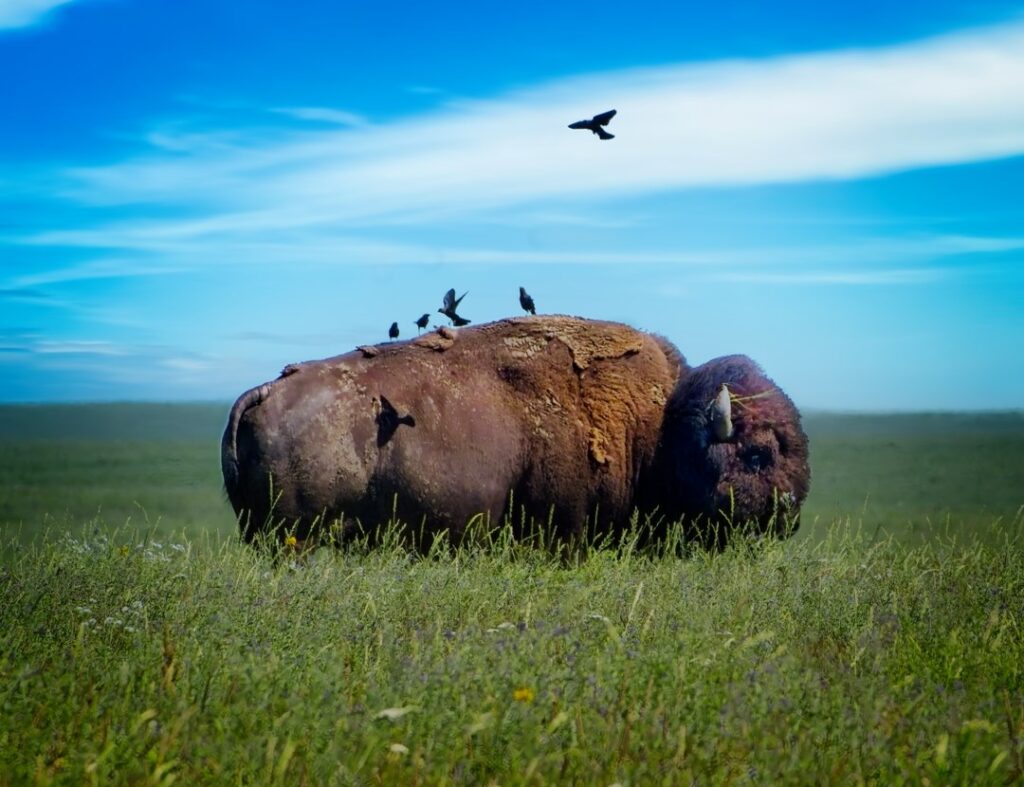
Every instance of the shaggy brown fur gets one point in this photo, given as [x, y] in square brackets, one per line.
[563, 413]
[759, 476]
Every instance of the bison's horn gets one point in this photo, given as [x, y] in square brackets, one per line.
[721, 414]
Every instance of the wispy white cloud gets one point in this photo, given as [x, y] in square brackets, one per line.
[104, 268]
[22, 13]
[424, 90]
[844, 114]
[156, 250]
[78, 347]
[174, 370]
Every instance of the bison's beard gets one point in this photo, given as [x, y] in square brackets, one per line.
[752, 475]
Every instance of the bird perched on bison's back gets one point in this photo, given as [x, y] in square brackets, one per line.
[421, 323]
[526, 301]
[450, 304]
[393, 331]
[595, 124]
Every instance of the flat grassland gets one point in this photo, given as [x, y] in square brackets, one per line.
[140, 643]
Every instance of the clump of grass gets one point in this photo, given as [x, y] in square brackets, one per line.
[127, 659]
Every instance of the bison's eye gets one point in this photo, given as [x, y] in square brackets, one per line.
[756, 458]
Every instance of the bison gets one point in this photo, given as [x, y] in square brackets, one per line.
[557, 420]
[733, 452]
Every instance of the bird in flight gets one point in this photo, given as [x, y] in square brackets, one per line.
[393, 331]
[421, 323]
[451, 303]
[526, 301]
[596, 124]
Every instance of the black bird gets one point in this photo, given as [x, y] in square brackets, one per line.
[595, 123]
[458, 321]
[451, 303]
[526, 301]
[421, 323]
[393, 331]
[388, 420]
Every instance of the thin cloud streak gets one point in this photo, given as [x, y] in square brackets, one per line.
[99, 355]
[23, 294]
[879, 277]
[264, 337]
[337, 117]
[156, 255]
[107, 268]
[78, 347]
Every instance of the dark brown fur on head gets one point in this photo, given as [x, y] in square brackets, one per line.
[759, 475]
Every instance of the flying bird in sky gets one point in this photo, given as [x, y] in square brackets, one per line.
[596, 124]
[393, 331]
[526, 301]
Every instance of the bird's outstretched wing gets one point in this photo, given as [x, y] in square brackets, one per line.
[581, 124]
[604, 117]
[459, 299]
[449, 299]
[603, 134]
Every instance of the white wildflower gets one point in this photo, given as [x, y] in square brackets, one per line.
[394, 713]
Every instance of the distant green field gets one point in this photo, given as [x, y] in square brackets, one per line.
[915, 475]
[158, 466]
[141, 643]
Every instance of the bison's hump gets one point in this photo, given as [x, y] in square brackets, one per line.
[586, 340]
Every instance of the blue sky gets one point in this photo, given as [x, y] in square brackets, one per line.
[193, 194]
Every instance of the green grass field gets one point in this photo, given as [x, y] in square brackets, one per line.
[140, 643]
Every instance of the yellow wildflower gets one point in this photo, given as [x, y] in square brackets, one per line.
[523, 694]
[291, 541]
[123, 550]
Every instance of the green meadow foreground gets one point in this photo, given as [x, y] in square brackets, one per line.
[140, 643]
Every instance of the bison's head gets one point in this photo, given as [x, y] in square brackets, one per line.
[738, 452]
